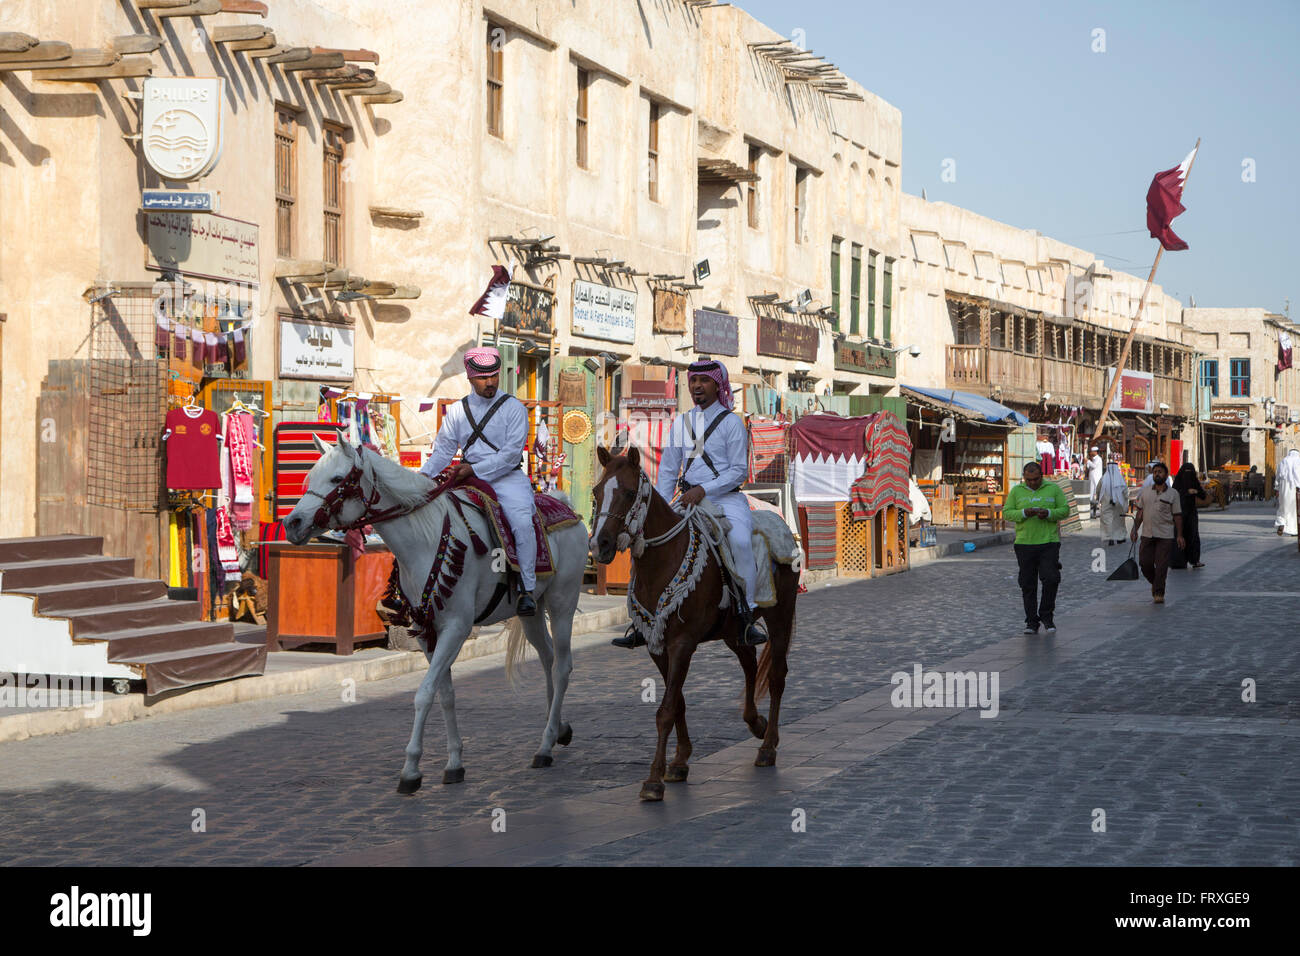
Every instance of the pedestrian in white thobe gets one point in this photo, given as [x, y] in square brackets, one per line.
[1095, 468]
[1112, 501]
[1287, 481]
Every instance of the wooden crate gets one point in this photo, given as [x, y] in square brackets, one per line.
[869, 549]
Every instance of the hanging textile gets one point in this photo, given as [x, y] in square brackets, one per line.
[767, 451]
[173, 552]
[830, 453]
[818, 524]
[239, 447]
[885, 479]
[192, 449]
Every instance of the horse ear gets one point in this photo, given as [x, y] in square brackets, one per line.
[602, 455]
[349, 450]
[634, 456]
[322, 445]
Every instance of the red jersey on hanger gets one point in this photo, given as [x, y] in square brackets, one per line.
[193, 460]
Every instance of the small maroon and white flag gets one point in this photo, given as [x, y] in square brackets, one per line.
[1283, 351]
[1164, 203]
[492, 303]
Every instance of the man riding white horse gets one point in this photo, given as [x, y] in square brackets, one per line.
[716, 465]
[491, 429]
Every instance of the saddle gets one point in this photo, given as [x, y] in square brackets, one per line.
[549, 513]
[771, 541]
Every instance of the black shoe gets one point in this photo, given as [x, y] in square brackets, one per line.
[525, 606]
[632, 639]
[1030, 629]
[1049, 627]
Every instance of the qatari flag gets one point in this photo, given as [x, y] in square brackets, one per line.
[1283, 352]
[1164, 203]
[492, 302]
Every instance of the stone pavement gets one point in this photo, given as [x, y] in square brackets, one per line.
[1130, 708]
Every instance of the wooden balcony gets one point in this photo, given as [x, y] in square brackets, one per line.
[1018, 375]
[1073, 384]
[1175, 393]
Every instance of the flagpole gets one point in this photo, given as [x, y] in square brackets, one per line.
[1128, 339]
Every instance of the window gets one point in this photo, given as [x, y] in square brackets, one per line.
[653, 182]
[584, 79]
[887, 301]
[286, 180]
[1210, 376]
[751, 198]
[835, 281]
[496, 37]
[800, 201]
[871, 295]
[1239, 370]
[855, 288]
[333, 205]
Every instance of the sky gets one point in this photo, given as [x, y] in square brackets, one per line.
[1051, 134]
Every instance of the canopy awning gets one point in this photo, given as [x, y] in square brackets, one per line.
[965, 404]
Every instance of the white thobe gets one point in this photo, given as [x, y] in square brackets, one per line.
[1095, 468]
[728, 450]
[508, 431]
[1286, 481]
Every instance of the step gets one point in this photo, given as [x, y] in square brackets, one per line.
[56, 599]
[15, 576]
[171, 670]
[127, 645]
[91, 622]
[49, 547]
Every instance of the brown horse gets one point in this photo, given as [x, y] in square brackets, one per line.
[630, 512]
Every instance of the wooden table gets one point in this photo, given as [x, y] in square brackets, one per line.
[992, 512]
[320, 595]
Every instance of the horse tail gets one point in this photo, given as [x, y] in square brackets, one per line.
[516, 645]
[764, 668]
[787, 587]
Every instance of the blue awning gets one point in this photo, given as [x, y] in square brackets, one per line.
[976, 406]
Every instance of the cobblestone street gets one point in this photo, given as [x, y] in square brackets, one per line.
[1130, 708]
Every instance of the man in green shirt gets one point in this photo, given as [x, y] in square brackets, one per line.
[1036, 507]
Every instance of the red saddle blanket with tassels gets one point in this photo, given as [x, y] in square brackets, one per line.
[549, 514]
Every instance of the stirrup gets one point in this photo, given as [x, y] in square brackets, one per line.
[753, 633]
[631, 639]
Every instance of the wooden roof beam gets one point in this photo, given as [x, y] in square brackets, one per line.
[135, 43]
[53, 50]
[399, 292]
[352, 56]
[395, 212]
[294, 54]
[199, 8]
[255, 7]
[393, 96]
[299, 268]
[16, 42]
[240, 34]
[275, 51]
[79, 58]
[267, 43]
[131, 66]
[363, 79]
[374, 88]
[321, 76]
[315, 61]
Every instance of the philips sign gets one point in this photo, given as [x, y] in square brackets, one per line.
[180, 126]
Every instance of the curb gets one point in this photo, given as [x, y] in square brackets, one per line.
[118, 710]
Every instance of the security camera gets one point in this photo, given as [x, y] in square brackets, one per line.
[1164, 407]
[914, 351]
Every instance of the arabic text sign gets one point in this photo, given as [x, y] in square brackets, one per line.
[603, 312]
[1136, 392]
[787, 340]
[715, 333]
[178, 200]
[315, 350]
[1230, 414]
[871, 359]
[206, 247]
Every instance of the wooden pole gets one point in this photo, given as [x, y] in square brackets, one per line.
[1128, 340]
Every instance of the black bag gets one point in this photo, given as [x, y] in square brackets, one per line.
[1128, 571]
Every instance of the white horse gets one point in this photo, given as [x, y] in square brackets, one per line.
[352, 486]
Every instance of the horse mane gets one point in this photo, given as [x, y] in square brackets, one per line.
[403, 486]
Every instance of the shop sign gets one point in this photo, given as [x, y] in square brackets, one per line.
[787, 340]
[1280, 413]
[1136, 392]
[530, 309]
[179, 200]
[1230, 414]
[180, 125]
[204, 247]
[670, 312]
[316, 350]
[715, 333]
[602, 312]
[869, 359]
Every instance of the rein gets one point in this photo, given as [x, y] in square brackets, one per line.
[634, 519]
[350, 488]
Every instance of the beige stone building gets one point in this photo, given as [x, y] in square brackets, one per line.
[377, 161]
[1250, 410]
[1034, 323]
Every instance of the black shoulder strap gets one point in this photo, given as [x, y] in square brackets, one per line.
[477, 433]
[713, 426]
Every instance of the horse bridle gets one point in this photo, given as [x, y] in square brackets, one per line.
[634, 517]
[349, 488]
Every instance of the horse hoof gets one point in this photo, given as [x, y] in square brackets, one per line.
[566, 736]
[454, 776]
[408, 785]
[759, 727]
[765, 758]
[675, 774]
[652, 792]
[543, 760]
